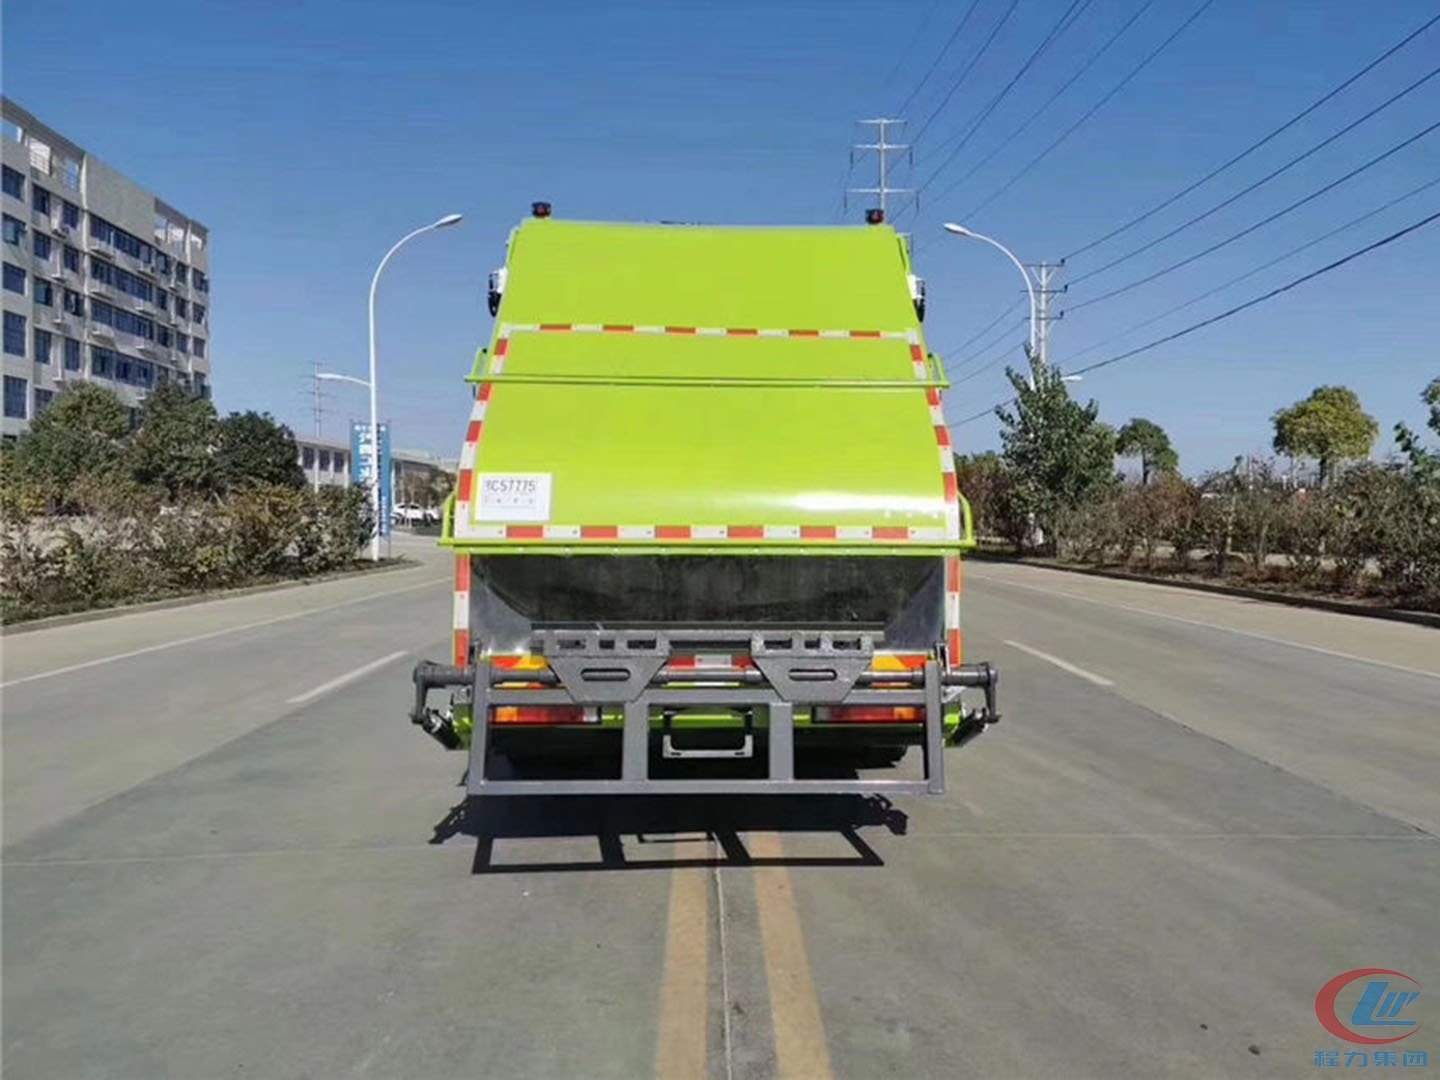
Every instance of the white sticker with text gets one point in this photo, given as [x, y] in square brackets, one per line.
[513, 497]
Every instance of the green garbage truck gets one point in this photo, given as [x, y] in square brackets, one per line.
[706, 527]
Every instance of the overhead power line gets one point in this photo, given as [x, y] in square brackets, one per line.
[1391, 100]
[1259, 142]
[1152, 320]
[1001, 340]
[981, 333]
[1377, 159]
[1073, 12]
[1079, 73]
[954, 36]
[969, 67]
[1232, 311]
[1105, 100]
[915, 39]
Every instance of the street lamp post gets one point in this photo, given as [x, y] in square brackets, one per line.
[448, 219]
[960, 230]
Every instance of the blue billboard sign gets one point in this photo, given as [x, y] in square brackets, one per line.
[360, 456]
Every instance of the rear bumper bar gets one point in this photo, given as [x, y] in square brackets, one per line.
[665, 687]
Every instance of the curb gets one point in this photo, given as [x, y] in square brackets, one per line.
[97, 614]
[1320, 603]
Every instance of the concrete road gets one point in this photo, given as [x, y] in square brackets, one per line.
[227, 854]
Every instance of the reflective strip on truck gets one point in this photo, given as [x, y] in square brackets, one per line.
[462, 610]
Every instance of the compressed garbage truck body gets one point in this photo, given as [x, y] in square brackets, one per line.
[706, 526]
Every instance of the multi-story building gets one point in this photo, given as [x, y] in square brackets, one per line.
[103, 280]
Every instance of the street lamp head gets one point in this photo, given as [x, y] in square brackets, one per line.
[448, 219]
[958, 230]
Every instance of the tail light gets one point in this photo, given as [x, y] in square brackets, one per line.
[540, 714]
[870, 714]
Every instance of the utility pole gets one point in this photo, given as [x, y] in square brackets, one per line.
[317, 409]
[883, 149]
[1044, 274]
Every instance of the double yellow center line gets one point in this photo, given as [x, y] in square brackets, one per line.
[683, 1047]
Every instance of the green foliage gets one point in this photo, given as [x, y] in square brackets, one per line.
[174, 448]
[1060, 453]
[139, 549]
[1422, 461]
[1147, 440]
[1329, 426]
[82, 434]
[252, 448]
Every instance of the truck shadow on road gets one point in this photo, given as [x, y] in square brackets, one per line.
[666, 823]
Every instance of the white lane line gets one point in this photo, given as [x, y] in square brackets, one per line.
[1209, 625]
[341, 680]
[216, 633]
[1063, 665]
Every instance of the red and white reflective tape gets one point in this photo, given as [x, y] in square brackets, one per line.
[462, 610]
[507, 329]
[947, 463]
[952, 608]
[702, 533]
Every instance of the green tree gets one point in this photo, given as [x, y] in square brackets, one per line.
[1329, 426]
[1147, 440]
[1424, 463]
[175, 445]
[82, 434]
[253, 448]
[1061, 455]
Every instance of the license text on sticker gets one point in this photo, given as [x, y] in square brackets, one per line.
[513, 496]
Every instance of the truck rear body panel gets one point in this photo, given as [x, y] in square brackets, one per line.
[706, 489]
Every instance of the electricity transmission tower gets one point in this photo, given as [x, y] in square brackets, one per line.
[883, 149]
[1044, 275]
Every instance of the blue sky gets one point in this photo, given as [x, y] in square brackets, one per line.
[310, 136]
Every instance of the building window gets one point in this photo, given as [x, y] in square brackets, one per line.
[198, 344]
[182, 342]
[163, 336]
[125, 321]
[14, 278]
[73, 303]
[70, 259]
[102, 230]
[14, 334]
[308, 456]
[16, 391]
[162, 374]
[44, 293]
[42, 346]
[199, 315]
[162, 263]
[102, 361]
[162, 299]
[182, 307]
[40, 198]
[69, 214]
[72, 354]
[182, 273]
[70, 174]
[201, 282]
[41, 245]
[201, 386]
[14, 230]
[121, 279]
[324, 460]
[14, 185]
[43, 398]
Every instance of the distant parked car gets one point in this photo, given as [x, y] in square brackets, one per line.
[413, 514]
